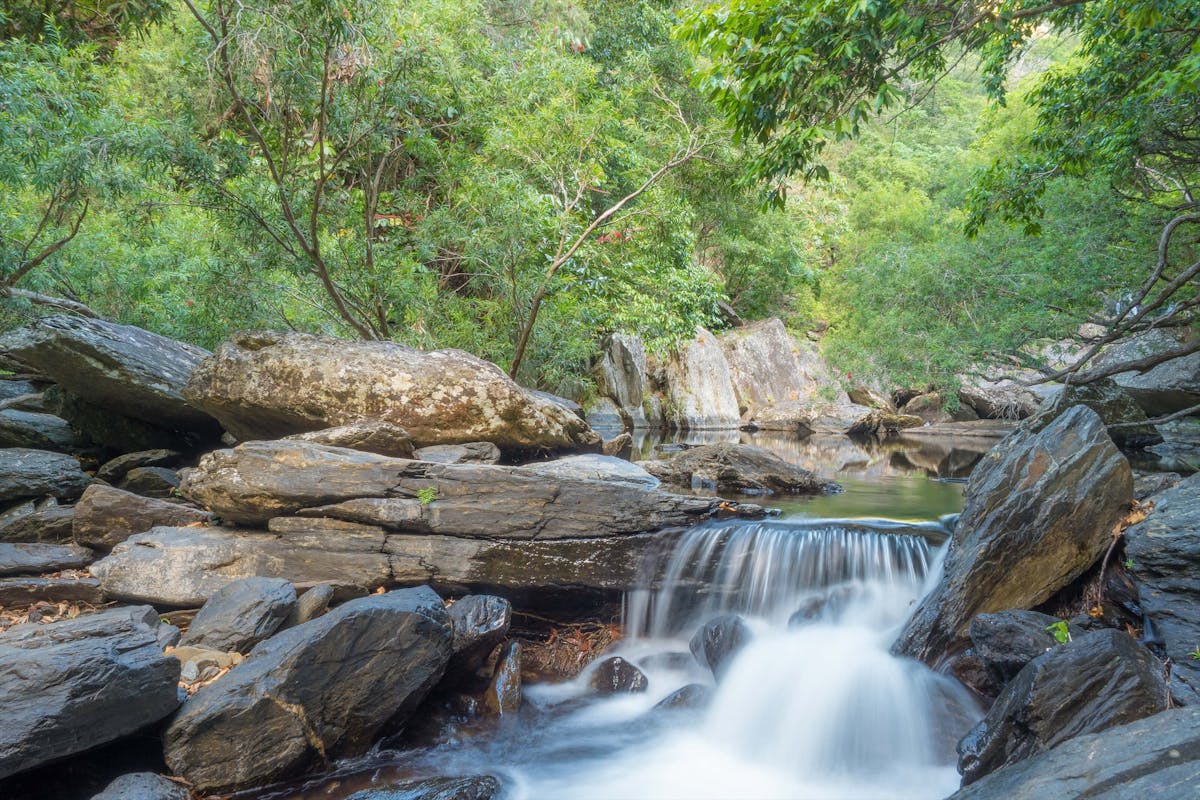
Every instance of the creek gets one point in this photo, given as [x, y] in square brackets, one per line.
[813, 707]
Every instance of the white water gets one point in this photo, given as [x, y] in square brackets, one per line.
[815, 711]
[822, 710]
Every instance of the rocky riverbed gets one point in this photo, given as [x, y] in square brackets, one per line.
[249, 566]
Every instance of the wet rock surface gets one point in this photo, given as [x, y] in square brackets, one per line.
[1156, 757]
[736, 468]
[1102, 679]
[1040, 509]
[615, 675]
[325, 689]
[1163, 552]
[143, 786]
[718, 641]
[263, 385]
[503, 695]
[1004, 643]
[480, 622]
[71, 685]
[241, 615]
[483, 787]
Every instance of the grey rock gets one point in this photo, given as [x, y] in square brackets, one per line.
[699, 386]
[310, 605]
[480, 622]
[503, 695]
[593, 467]
[36, 431]
[741, 468]
[262, 385]
[603, 414]
[620, 446]
[118, 366]
[1146, 486]
[257, 481]
[468, 453]
[23, 558]
[1102, 679]
[483, 787]
[718, 641]
[72, 685]
[1040, 509]
[114, 470]
[105, 426]
[621, 376]
[1117, 409]
[933, 408]
[691, 696]
[1156, 757]
[368, 435]
[1164, 552]
[327, 689]
[1005, 642]
[151, 481]
[1169, 387]
[25, 591]
[104, 517]
[615, 675]
[999, 399]
[183, 567]
[46, 521]
[763, 365]
[241, 614]
[38, 473]
[143, 786]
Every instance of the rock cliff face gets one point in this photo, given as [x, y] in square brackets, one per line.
[621, 377]
[699, 387]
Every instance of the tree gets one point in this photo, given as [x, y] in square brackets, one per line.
[794, 76]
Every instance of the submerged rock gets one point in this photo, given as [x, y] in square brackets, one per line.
[324, 690]
[483, 787]
[718, 641]
[503, 695]
[615, 675]
[691, 696]
[1164, 556]
[736, 468]
[143, 786]
[241, 615]
[72, 685]
[1102, 679]
[1040, 509]
[263, 385]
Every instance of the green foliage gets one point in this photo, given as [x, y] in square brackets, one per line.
[1060, 631]
[427, 495]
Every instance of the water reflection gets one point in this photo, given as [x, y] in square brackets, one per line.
[917, 478]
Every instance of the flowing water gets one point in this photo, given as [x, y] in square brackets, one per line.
[814, 706]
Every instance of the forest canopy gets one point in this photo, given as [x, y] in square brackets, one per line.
[521, 178]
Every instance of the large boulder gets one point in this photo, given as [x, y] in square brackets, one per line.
[1169, 387]
[72, 685]
[259, 480]
[265, 385]
[998, 399]
[728, 467]
[38, 473]
[621, 379]
[1099, 680]
[241, 614]
[1115, 407]
[1163, 553]
[115, 366]
[1040, 509]
[699, 387]
[1001, 645]
[36, 431]
[183, 567]
[104, 517]
[1156, 757]
[323, 690]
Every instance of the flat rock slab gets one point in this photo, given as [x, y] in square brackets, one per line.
[257, 481]
[1157, 758]
[468, 453]
[591, 467]
[368, 435]
[104, 517]
[39, 473]
[72, 685]
[36, 431]
[265, 385]
[37, 522]
[741, 468]
[24, 591]
[18, 558]
[1040, 509]
[323, 690]
[118, 366]
[183, 567]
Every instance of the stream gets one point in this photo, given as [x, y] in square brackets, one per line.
[813, 707]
